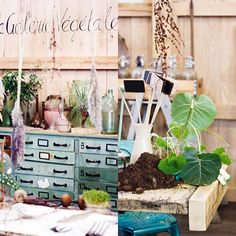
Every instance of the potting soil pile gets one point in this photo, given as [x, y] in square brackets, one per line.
[145, 175]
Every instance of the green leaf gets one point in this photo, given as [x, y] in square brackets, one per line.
[178, 130]
[225, 158]
[199, 111]
[160, 142]
[201, 171]
[190, 152]
[172, 164]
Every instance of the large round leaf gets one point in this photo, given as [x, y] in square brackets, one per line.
[201, 109]
[201, 171]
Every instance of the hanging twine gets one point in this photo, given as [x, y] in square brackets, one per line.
[94, 101]
[18, 134]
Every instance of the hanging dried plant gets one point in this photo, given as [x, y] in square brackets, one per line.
[166, 30]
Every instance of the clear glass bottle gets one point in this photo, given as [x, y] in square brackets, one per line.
[124, 71]
[173, 71]
[189, 71]
[155, 66]
[109, 114]
[138, 71]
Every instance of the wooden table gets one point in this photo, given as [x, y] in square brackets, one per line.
[199, 203]
[23, 219]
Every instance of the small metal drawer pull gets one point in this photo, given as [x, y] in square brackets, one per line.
[30, 194]
[60, 171]
[96, 148]
[55, 197]
[27, 182]
[29, 142]
[59, 145]
[92, 175]
[91, 161]
[61, 158]
[29, 169]
[60, 185]
[29, 155]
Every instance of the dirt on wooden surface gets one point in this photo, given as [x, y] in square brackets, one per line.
[145, 175]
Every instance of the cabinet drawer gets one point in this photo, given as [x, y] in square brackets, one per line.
[114, 204]
[46, 193]
[48, 142]
[98, 174]
[31, 181]
[49, 156]
[98, 146]
[100, 161]
[46, 169]
[112, 189]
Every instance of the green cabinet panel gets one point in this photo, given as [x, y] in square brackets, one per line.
[112, 189]
[45, 169]
[98, 161]
[49, 142]
[32, 181]
[60, 157]
[98, 174]
[98, 146]
[46, 193]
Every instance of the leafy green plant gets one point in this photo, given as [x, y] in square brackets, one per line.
[29, 86]
[190, 116]
[96, 197]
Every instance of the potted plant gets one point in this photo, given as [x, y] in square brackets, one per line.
[79, 102]
[29, 89]
[97, 200]
[194, 164]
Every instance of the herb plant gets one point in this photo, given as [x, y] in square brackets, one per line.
[96, 197]
[29, 86]
[194, 165]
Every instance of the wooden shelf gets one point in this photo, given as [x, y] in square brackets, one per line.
[135, 10]
[62, 63]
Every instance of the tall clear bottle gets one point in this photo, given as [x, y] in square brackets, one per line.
[189, 71]
[138, 71]
[173, 71]
[109, 114]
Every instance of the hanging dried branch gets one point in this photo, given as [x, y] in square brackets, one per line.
[166, 29]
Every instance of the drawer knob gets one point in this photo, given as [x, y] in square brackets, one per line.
[92, 161]
[60, 171]
[29, 155]
[27, 169]
[92, 175]
[30, 194]
[93, 148]
[29, 142]
[60, 158]
[59, 185]
[59, 145]
[26, 181]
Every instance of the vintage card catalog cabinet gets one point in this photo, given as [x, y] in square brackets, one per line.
[56, 163]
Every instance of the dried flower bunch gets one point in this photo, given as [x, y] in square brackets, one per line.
[166, 29]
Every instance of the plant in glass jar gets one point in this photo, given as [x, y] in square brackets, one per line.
[29, 89]
[79, 102]
[194, 164]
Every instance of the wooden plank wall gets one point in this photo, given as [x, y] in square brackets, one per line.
[73, 53]
[215, 56]
[135, 25]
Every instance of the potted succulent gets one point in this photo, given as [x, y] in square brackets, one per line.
[194, 164]
[29, 89]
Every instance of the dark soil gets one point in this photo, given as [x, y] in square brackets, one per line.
[145, 175]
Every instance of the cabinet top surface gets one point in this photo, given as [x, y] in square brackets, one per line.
[75, 132]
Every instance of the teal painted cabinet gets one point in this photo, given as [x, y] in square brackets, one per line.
[56, 163]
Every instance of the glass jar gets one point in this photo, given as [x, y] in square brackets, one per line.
[138, 71]
[124, 71]
[189, 71]
[109, 114]
[173, 71]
